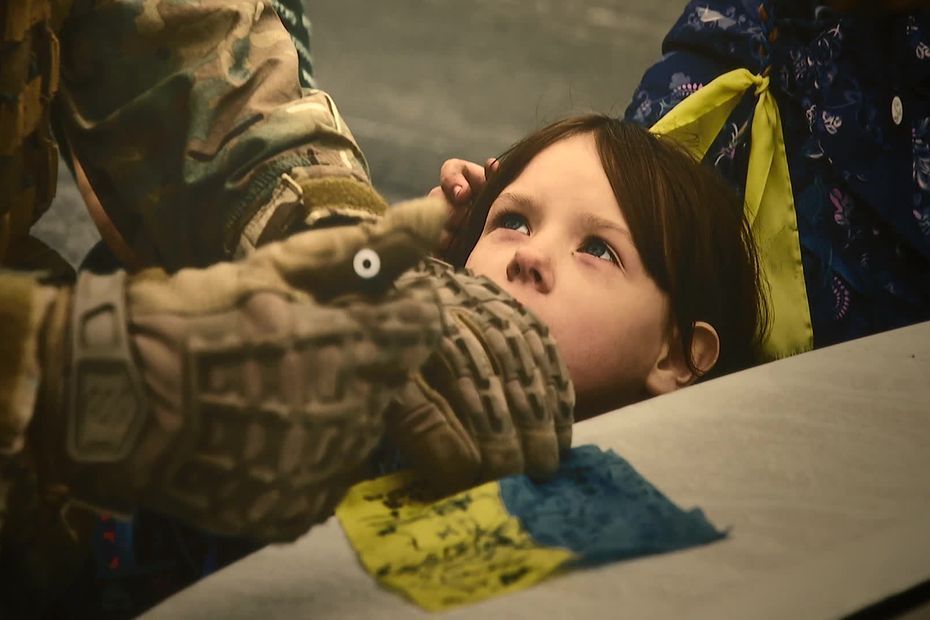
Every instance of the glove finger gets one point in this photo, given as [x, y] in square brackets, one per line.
[422, 425]
[500, 329]
[363, 258]
[464, 373]
[513, 340]
[560, 393]
[539, 388]
[563, 393]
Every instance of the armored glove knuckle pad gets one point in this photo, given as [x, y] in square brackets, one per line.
[227, 398]
[254, 419]
[284, 419]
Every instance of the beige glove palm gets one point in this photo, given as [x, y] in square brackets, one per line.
[243, 397]
[494, 399]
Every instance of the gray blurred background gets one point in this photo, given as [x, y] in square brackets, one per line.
[420, 81]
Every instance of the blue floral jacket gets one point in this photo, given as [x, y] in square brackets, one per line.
[854, 97]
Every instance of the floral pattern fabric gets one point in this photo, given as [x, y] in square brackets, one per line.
[854, 97]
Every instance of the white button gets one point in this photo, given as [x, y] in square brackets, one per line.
[897, 110]
[366, 263]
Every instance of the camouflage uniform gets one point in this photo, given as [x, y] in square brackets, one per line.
[184, 117]
[241, 397]
[29, 77]
[186, 123]
[295, 19]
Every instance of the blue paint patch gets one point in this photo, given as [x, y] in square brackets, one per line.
[603, 510]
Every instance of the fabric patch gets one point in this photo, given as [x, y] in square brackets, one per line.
[461, 549]
[508, 535]
[603, 510]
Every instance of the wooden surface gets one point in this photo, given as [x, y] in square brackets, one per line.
[818, 464]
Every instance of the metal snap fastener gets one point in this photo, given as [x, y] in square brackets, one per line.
[367, 263]
[897, 110]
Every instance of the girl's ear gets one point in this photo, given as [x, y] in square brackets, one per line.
[671, 370]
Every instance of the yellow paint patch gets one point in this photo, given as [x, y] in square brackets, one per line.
[459, 549]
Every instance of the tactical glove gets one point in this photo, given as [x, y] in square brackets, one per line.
[230, 397]
[494, 399]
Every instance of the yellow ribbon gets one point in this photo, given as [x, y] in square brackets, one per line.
[695, 123]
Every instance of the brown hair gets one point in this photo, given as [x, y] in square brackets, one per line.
[686, 221]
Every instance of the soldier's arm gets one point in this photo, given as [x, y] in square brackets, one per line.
[227, 397]
[190, 123]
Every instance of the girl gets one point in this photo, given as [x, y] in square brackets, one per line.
[638, 258]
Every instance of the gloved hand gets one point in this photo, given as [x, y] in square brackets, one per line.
[241, 398]
[494, 399]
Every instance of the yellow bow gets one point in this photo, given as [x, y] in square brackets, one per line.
[695, 123]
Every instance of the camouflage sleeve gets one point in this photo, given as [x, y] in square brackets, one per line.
[189, 121]
[294, 16]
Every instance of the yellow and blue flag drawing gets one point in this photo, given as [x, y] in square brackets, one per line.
[508, 535]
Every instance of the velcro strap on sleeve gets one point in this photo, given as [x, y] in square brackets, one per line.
[341, 193]
[322, 201]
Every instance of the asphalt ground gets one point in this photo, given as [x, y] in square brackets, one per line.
[421, 81]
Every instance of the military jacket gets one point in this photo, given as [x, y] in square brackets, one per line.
[185, 120]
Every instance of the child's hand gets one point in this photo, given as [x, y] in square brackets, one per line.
[459, 182]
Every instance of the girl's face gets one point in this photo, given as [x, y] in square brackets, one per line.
[557, 241]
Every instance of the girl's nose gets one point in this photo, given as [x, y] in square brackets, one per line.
[531, 267]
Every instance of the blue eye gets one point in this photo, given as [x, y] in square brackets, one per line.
[599, 249]
[514, 221]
